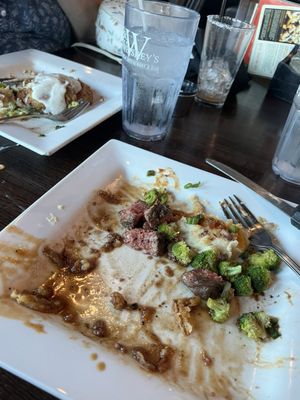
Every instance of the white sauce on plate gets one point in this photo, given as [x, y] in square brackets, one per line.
[50, 90]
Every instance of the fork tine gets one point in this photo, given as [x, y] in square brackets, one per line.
[224, 208]
[236, 212]
[243, 205]
[242, 214]
[231, 214]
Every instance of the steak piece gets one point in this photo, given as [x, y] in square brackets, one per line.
[149, 242]
[204, 283]
[133, 216]
[158, 214]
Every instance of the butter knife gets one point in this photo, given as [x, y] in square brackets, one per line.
[292, 211]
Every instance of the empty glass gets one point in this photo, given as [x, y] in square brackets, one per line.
[225, 42]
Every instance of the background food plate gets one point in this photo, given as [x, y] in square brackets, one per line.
[41, 135]
[60, 361]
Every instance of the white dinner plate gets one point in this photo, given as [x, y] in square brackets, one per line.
[59, 361]
[45, 136]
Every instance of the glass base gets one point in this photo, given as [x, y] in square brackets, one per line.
[295, 180]
[147, 134]
[287, 179]
[208, 104]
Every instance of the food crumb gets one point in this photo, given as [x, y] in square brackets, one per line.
[60, 206]
[94, 356]
[52, 219]
[101, 366]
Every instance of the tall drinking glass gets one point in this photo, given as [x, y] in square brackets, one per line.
[158, 41]
[286, 161]
[225, 43]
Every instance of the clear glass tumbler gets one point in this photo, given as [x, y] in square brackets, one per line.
[286, 161]
[158, 41]
[225, 43]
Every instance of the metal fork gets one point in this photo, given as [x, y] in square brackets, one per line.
[237, 210]
[64, 116]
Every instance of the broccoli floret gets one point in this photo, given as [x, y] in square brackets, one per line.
[242, 285]
[260, 277]
[273, 329]
[168, 230]
[152, 195]
[182, 252]
[229, 271]
[252, 327]
[267, 259]
[259, 326]
[206, 259]
[219, 309]
[270, 323]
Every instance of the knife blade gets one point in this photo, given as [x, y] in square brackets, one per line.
[291, 211]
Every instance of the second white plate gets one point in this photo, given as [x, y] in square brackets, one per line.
[43, 136]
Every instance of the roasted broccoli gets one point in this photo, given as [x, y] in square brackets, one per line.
[267, 259]
[206, 259]
[242, 285]
[181, 252]
[259, 326]
[219, 309]
[168, 230]
[229, 271]
[152, 195]
[260, 277]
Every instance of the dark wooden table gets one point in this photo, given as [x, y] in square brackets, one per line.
[243, 134]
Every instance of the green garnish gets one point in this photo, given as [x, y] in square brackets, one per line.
[42, 135]
[152, 195]
[192, 185]
[59, 127]
[233, 228]
[195, 219]
[151, 172]
[73, 104]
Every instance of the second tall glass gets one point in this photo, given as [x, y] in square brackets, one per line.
[225, 43]
[158, 41]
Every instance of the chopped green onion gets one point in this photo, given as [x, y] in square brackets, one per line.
[192, 185]
[150, 197]
[151, 172]
[195, 219]
[233, 228]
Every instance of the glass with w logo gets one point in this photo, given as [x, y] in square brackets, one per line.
[158, 41]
